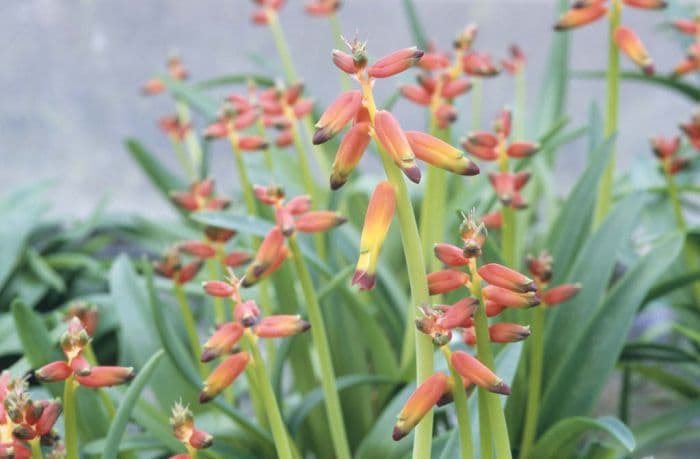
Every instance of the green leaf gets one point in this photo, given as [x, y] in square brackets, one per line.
[130, 442]
[414, 22]
[234, 79]
[246, 224]
[33, 335]
[197, 99]
[685, 89]
[652, 434]
[44, 271]
[692, 335]
[562, 438]
[578, 379]
[670, 285]
[656, 352]
[313, 398]
[118, 425]
[163, 179]
[663, 378]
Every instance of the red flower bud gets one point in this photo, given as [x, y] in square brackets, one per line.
[508, 333]
[351, 149]
[560, 294]
[280, 326]
[54, 371]
[337, 115]
[458, 314]
[318, 221]
[222, 341]
[237, 258]
[223, 376]
[199, 249]
[446, 280]
[219, 288]
[106, 376]
[502, 276]
[419, 403]
[416, 94]
[395, 63]
[509, 298]
[394, 141]
[478, 373]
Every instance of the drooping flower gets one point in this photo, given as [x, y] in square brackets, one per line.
[473, 370]
[419, 403]
[541, 268]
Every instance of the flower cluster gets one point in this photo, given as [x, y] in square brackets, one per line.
[541, 269]
[691, 62]
[586, 11]
[290, 216]
[238, 113]
[73, 342]
[182, 423]
[23, 419]
[226, 337]
[666, 151]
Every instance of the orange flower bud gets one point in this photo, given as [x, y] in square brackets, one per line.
[482, 145]
[106, 376]
[245, 119]
[459, 314]
[222, 341]
[504, 277]
[434, 61]
[79, 365]
[280, 326]
[454, 88]
[508, 333]
[274, 266]
[428, 83]
[219, 288]
[630, 44]
[469, 336]
[440, 154]
[299, 205]
[185, 200]
[302, 108]
[323, 220]
[686, 26]
[252, 143]
[49, 414]
[576, 17]
[351, 149]
[337, 115]
[446, 280]
[260, 17]
[509, 298]
[223, 376]
[345, 62]
[479, 64]
[450, 255]
[322, 7]
[380, 212]
[54, 371]
[419, 403]
[560, 294]
[200, 439]
[677, 165]
[415, 93]
[493, 220]
[665, 148]
[199, 249]
[284, 138]
[268, 195]
[153, 86]
[217, 130]
[237, 258]
[247, 313]
[284, 221]
[522, 149]
[187, 272]
[478, 373]
[393, 139]
[396, 62]
[646, 4]
[687, 65]
[267, 253]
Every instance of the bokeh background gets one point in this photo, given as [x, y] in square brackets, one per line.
[73, 69]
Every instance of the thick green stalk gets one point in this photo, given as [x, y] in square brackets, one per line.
[36, 449]
[70, 419]
[604, 199]
[520, 104]
[477, 101]
[244, 181]
[190, 326]
[534, 385]
[320, 338]
[496, 416]
[508, 232]
[462, 410]
[274, 416]
[282, 48]
[183, 112]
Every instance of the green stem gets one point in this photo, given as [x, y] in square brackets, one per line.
[244, 181]
[279, 431]
[190, 326]
[625, 394]
[462, 410]
[496, 416]
[534, 385]
[191, 141]
[282, 48]
[477, 100]
[690, 258]
[184, 161]
[320, 339]
[520, 104]
[508, 231]
[345, 83]
[613, 83]
[70, 419]
[36, 449]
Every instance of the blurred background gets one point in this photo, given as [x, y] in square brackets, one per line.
[74, 70]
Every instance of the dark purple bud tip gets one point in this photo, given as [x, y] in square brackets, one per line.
[304, 326]
[204, 397]
[321, 136]
[648, 70]
[364, 280]
[249, 321]
[260, 268]
[413, 174]
[446, 399]
[207, 356]
[531, 287]
[501, 388]
[336, 182]
[534, 301]
[287, 232]
[471, 169]
[398, 434]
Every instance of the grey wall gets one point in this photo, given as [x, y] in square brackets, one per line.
[72, 69]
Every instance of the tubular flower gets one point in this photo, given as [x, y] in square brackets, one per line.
[450, 255]
[294, 215]
[73, 341]
[476, 372]
[280, 326]
[541, 268]
[199, 197]
[419, 403]
[223, 376]
[337, 115]
[510, 298]
[666, 152]
[322, 8]
[380, 212]
[395, 63]
[394, 140]
[630, 44]
[351, 149]
[479, 64]
[499, 333]
[171, 267]
[516, 62]
[174, 128]
[504, 277]
[176, 71]
[23, 419]
[440, 154]
[182, 423]
[447, 280]
[222, 341]
[507, 187]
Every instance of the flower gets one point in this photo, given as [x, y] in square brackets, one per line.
[176, 71]
[171, 267]
[182, 423]
[85, 312]
[73, 341]
[267, 11]
[515, 63]
[541, 268]
[492, 147]
[419, 403]
[199, 197]
[322, 8]
[476, 372]
[666, 151]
